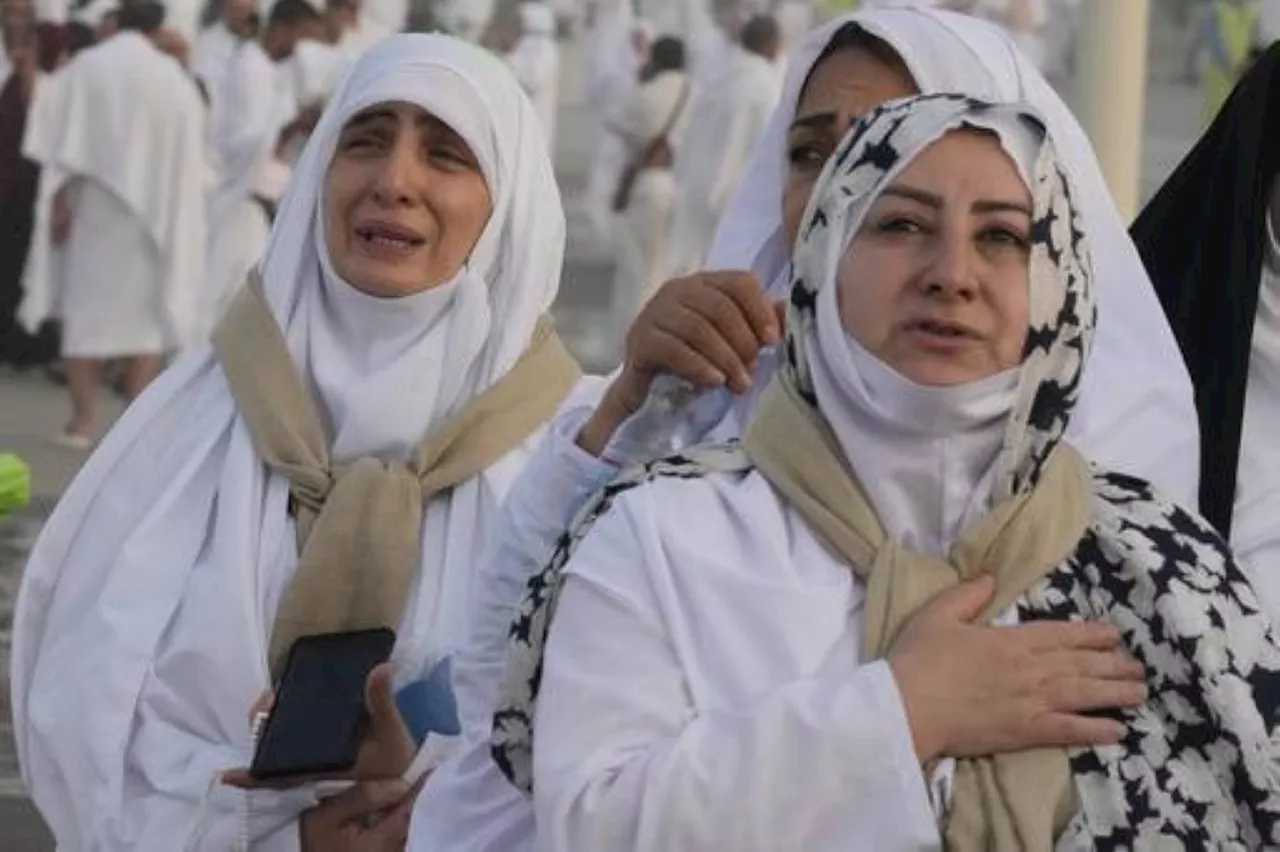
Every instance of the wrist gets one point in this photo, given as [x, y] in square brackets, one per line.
[927, 737]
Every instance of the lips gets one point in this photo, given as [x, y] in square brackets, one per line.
[388, 236]
[942, 329]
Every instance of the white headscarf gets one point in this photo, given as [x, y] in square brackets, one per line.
[1136, 413]
[150, 595]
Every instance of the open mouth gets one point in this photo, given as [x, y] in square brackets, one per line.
[942, 329]
[386, 237]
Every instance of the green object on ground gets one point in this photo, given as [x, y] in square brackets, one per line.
[15, 483]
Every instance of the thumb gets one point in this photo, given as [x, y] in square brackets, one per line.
[965, 602]
[380, 699]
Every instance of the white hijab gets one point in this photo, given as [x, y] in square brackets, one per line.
[1136, 412]
[175, 514]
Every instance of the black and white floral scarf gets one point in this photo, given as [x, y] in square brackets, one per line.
[1199, 763]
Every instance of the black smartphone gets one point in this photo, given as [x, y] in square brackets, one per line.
[319, 715]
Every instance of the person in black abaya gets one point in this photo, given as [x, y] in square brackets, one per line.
[1208, 239]
[32, 49]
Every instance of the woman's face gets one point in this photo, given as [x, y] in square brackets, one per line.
[935, 283]
[842, 88]
[405, 201]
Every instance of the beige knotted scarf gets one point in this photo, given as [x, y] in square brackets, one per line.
[1008, 803]
[359, 525]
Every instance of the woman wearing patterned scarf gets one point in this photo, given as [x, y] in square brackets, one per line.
[761, 646]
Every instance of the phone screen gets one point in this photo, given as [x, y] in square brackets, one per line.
[319, 713]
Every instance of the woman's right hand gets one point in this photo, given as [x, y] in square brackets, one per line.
[972, 690]
[707, 328]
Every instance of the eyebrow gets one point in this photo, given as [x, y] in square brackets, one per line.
[819, 121]
[929, 199]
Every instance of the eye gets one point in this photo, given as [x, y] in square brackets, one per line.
[898, 224]
[363, 140]
[808, 156]
[1000, 235]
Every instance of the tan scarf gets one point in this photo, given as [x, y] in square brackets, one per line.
[359, 525]
[1008, 803]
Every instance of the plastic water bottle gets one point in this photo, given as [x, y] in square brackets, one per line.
[673, 417]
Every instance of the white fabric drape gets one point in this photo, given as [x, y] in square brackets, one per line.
[129, 119]
[42, 275]
[1136, 412]
[151, 592]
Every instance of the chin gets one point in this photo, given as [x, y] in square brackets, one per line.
[941, 375]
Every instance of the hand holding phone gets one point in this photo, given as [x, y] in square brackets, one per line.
[319, 717]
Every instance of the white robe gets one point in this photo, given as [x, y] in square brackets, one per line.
[248, 117]
[1255, 521]
[151, 592]
[183, 17]
[42, 275]
[535, 60]
[726, 118]
[741, 638]
[212, 55]
[131, 125]
[643, 243]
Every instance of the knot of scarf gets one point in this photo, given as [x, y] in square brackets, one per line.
[359, 524]
[1004, 803]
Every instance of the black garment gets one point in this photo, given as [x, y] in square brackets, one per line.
[19, 179]
[1203, 239]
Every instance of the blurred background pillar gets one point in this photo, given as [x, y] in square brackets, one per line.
[1111, 74]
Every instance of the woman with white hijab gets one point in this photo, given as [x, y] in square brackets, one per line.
[1136, 412]
[368, 401]
[900, 614]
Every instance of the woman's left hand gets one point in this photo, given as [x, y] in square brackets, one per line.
[387, 750]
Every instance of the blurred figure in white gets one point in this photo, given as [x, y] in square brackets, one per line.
[618, 46]
[351, 31]
[1024, 20]
[254, 123]
[466, 19]
[726, 117]
[535, 61]
[645, 195]
[128, 209]
[795, 18]
[388, 16]
[183, 18]
[217, 42]
[100, 16]
[313, 67]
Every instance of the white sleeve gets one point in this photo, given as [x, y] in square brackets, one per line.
[625, 759]
[468, 805]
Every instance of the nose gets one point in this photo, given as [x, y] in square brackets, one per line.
[950, 273]
[394, 184]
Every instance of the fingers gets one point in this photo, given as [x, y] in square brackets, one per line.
[746, 292]
[1066, 730]
[365, 797]
[1070, 635]
[393, 830]
[964, 603]
[707, 328]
